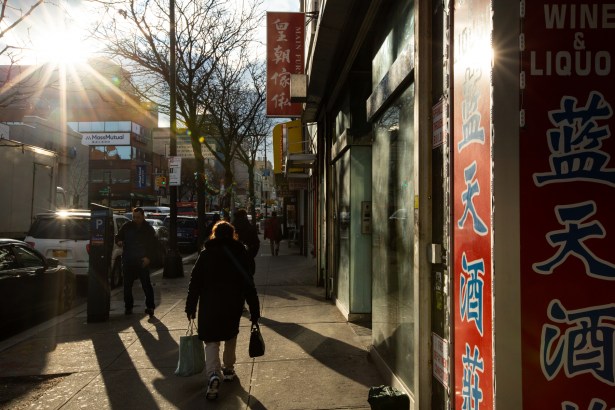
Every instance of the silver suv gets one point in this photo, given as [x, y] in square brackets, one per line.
[65, 236]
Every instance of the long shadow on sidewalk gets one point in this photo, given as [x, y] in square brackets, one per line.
[337, 355]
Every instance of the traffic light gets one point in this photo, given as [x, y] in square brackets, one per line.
[161, 181]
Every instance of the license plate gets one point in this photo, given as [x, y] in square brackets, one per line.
[60, 253]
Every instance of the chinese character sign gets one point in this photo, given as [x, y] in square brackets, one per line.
[567, 182]
[472, 208]
[285, 56]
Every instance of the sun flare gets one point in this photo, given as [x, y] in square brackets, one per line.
[63, 47]
[60, 39]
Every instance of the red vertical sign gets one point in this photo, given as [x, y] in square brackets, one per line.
[472, 205]
[285, 56]
[567, 183]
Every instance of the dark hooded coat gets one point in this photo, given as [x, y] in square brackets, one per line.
[220, 283]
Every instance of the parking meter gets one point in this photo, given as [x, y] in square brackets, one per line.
[101, 246]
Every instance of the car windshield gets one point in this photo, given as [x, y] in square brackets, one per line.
[61, 228]
[154, 222]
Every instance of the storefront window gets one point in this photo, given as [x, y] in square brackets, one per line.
[342, 228]
[393, 236]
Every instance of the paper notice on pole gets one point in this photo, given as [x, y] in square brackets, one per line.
[440, 359]
[175, 171]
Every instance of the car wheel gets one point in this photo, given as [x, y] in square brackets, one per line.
[115, 276]
[67, 295]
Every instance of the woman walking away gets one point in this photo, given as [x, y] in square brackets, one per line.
[221, 280]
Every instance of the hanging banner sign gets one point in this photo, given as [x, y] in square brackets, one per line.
[141, 176]
[285, 56]
[474, 377]
[566, 183]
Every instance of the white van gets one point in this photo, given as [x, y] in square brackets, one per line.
[65, 235]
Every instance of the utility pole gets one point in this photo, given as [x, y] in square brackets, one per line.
[266, 176]
[173, 266]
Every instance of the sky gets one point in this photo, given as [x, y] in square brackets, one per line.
[59, 30]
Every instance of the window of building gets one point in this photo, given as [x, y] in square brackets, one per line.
[397, 40]
[121, 152]
[110, 176]
[106, 126]
[393, 235]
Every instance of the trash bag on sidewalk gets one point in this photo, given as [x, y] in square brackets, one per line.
[191, 353]
[387, 398]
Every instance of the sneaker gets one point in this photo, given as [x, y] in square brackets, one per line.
[149, 311]
[212, 387]
[128, 311]
[228, 374]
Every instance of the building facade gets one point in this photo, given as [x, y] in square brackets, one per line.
[456, 144]
[96, 103]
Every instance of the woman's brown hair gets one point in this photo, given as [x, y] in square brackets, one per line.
[223, 229]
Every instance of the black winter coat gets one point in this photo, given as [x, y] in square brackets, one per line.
[220, 283]
[247, 235]
[139, 242]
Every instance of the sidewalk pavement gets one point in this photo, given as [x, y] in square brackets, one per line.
[314, 359]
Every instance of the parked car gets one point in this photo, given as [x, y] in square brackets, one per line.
[147, 209]
[187, 231]
[65, 235]
[31, 286]
[162, 234]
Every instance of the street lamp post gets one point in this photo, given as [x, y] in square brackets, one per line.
[173, 266]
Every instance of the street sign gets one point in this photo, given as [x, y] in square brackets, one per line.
[175, 170]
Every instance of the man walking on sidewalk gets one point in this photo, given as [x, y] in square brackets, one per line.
[273, 232]
[138, 240]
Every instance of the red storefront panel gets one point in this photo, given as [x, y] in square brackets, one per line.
[567, 183]
[472, 204]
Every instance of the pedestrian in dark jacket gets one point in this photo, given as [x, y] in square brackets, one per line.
[140, 247]
[247, 235]
[273, 232]
[220, 283]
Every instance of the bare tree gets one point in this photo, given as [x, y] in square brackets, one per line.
[208, 35]
[18, 84]
[257, 131]
[236, 100]
[78, 182]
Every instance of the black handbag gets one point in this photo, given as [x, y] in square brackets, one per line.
[257, 344]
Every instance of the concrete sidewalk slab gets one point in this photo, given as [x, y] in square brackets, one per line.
[314, 359]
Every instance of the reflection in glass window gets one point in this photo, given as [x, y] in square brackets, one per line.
[111, 126]
[399, 39]
[27, 258]
[101, 152]
[98, 126]
[393, 246]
